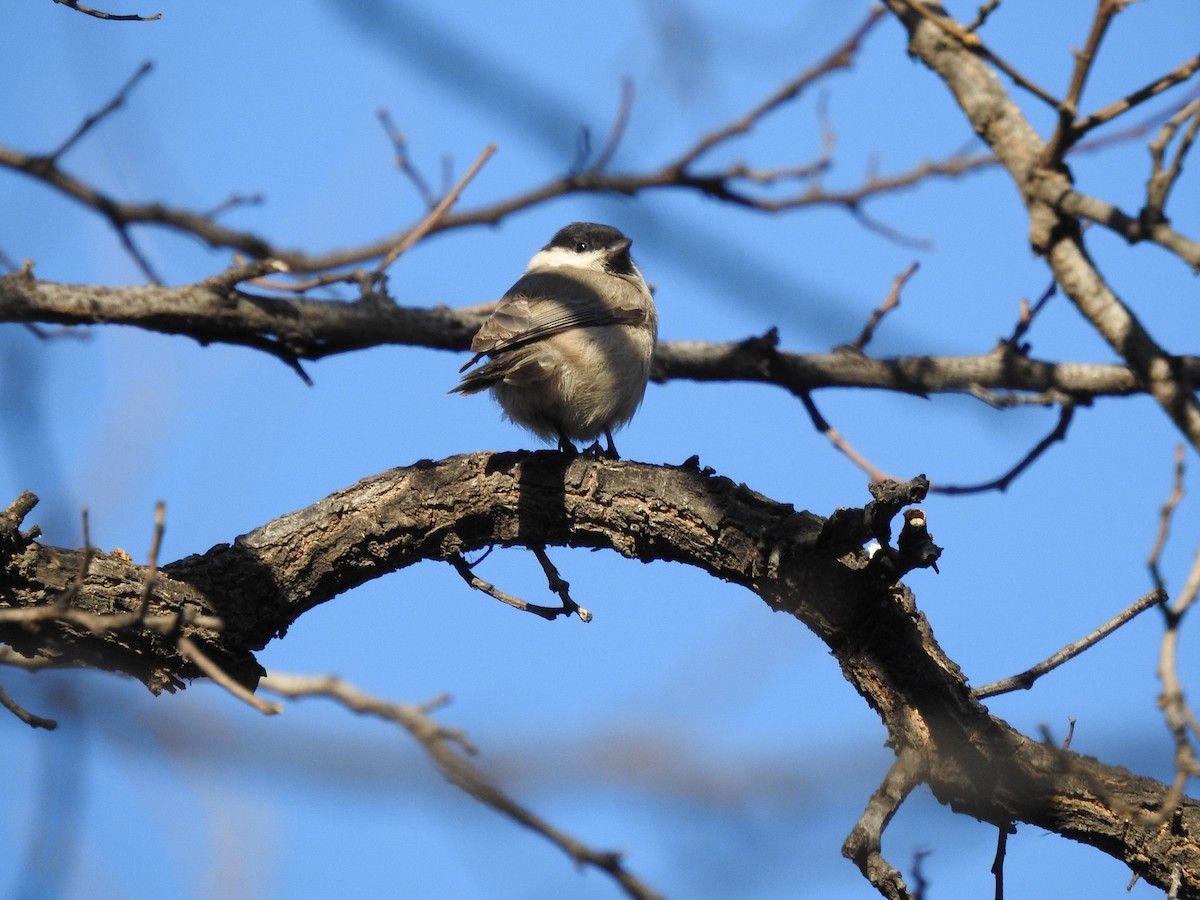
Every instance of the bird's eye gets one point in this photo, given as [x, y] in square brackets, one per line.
[581, 247]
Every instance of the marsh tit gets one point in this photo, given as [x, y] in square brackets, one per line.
[569, 345]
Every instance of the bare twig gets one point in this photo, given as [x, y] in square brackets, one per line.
[1066, 742]
[1027, 315]
[1179, 716]
[403, 160]
[1026, 679]
[1163, 179]
[192, 653]
[68, 596]
[1106, 114]
[1064, 134]
[559, 585]
[436, 214]
[889, 303]
[112, 17]
[864, 843]
[1181, 720]
[234, 201]
[1164, 521]
[720, 185]
[604, 157]
[822, 425]
[102, 623]
[463, 568]
[840, 58]
[160, 517]
[981, 16]
[95, 118]
[1058, 433]
[444, 745]
[998, 861]
[23, 714]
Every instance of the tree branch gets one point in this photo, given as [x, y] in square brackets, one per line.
[796, 562]
[1054, 233]
[112, 17]
[296, 328]
[451, 751]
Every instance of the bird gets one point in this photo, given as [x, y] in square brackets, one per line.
[569, 345]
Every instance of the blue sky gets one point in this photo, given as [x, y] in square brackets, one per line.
[711, 740]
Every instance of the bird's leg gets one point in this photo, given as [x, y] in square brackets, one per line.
[566, 446]
[611, 450]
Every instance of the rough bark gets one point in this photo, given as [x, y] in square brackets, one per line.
[1054, 233]
[296, 328]
[797, 562]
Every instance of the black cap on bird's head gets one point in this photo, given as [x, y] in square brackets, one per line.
[589, 237]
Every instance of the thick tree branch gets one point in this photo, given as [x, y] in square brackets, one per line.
[796, 562]
[1054, 233]
[296, 328]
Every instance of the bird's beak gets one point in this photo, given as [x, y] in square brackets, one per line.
[622, 247]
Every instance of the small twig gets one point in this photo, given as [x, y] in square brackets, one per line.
[139, 258]
[884, 230]
[604, 157]
[560, 586]
[118, 621]
[839, 442]
[864, 844]
[998, 861]
[75, 588]
[889, 303]
[1180, 719]
[1066, 744]
[1064, 134]
[426, 225]
[233, 202]
[583, 150]
[102, 623]
[1026, 679]
[95, 118]
[1162, 180]
[1106, 114]
[160, 517]
[403, 160]
[1164, 521]
[443, 745]
[247, 270]
[1027, 315]
[840, 58]
[463, 568]
[1058, 433]
[920, 882]
[33, 721]
[192, 653]
[112, 17]
[981, 16]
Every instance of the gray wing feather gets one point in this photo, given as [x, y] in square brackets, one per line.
[544, 303]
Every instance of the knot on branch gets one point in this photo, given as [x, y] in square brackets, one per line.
[849, 529]
[13, 541]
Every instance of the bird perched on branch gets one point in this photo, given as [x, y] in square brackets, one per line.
[569, 345]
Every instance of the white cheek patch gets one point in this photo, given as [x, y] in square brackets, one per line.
[559, 257]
